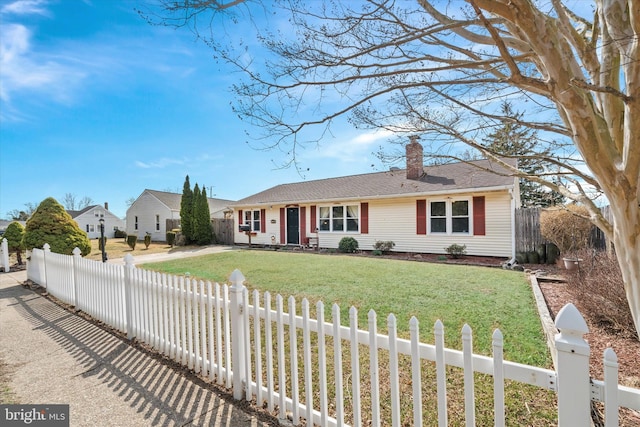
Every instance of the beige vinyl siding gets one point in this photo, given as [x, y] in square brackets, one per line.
[271, 235]
[395, 220]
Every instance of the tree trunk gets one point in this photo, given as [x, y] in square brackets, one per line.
[626, 238]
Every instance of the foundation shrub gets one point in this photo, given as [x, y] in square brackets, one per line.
[348, 245]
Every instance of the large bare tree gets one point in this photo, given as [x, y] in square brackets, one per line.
[440, 69]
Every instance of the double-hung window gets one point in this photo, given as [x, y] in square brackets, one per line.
[449, 217]
[460, 216]
[252, 219]
[339, 218]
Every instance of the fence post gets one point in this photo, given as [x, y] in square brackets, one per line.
[128, 294]
[47, 249]
[4, 263]
[574, 390]
[238, 352]
[75, 261]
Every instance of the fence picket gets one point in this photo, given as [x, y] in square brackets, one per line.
[469, 394]
[308, 372]
[355, 366]
[441, 373]
[374, 368]
[322, 364]
[227, 335]
[337, 360]
[498, 379]
[416, 378]
[611, 388]
[210, 314]
[247, 343]
[393, 370]
[293, 349]
[282, 386]
[257, 343]
[268, 341]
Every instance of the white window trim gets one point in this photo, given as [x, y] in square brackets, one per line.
[251, 222]
[331, 230]
[449, 216]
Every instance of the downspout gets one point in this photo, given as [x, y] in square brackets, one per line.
[513, 225]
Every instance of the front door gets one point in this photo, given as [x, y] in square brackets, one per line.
[293, 226]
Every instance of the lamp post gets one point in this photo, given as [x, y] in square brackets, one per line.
[102, 242]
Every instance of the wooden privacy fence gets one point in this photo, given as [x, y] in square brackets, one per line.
[308, 366]
[222, 229]
[528, 236]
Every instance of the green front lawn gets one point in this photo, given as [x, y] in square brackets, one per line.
[485, 298]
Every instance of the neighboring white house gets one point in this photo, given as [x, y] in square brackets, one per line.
[420, 209]
[88, 219]
[151, 210]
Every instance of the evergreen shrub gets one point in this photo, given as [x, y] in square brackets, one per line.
[348, 245]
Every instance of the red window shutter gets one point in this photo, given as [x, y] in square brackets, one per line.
[478, 216]
[364, 218]
[303, 225]
[263, 220]
[314, 219]
[240, 218]
[421, 217]
[282, 227]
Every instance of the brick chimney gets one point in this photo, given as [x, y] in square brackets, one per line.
[415, 161]
[106, 206]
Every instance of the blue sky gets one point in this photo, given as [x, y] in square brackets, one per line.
[96, 102]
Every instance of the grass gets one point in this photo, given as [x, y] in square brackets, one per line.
[118, 248]
[484, 298]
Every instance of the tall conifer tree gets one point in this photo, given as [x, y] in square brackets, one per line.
[515, 140]
[195, 215]
[186, 211]
[203, 233]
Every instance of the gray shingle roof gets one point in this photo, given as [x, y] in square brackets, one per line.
[454, 177]
[172, 200]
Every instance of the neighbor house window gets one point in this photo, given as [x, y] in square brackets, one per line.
[338, 218]
[157, 222]
[252, 219]
[90, 228]
[449, 216]
[135, 223]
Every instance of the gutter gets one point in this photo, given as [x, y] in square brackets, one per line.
[383, 197]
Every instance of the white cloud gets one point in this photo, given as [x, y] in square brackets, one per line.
[353, 149]
[21, 69]
[160, 163]
[25, 7]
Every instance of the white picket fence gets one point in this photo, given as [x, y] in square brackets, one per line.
[290, 363]
[4, 255]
